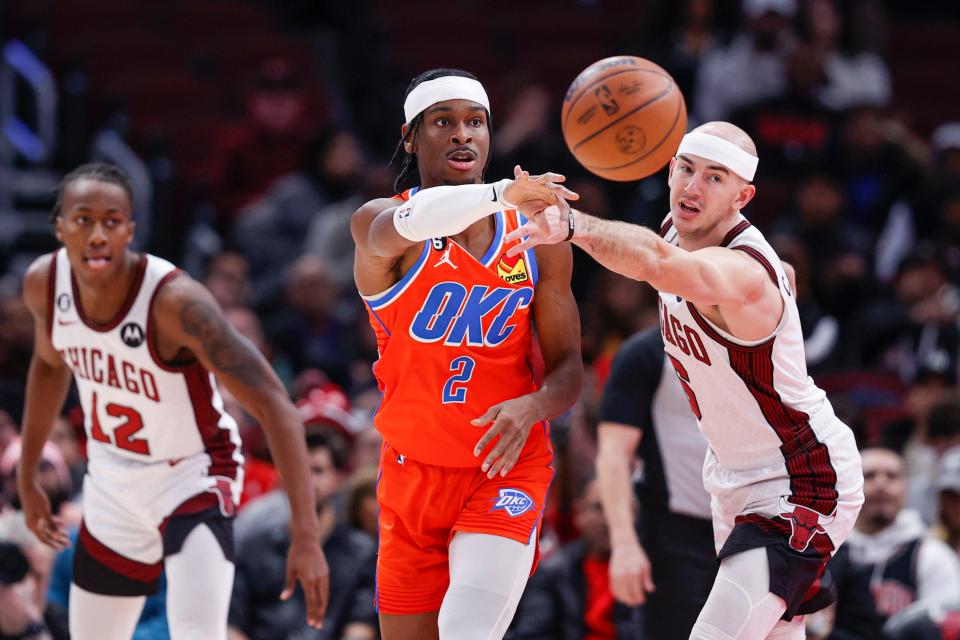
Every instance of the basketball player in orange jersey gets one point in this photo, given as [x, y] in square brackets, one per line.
[144, 342]
[783, 472]
[466, 460]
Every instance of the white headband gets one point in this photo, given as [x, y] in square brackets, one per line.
[721, 151]
[431, 92]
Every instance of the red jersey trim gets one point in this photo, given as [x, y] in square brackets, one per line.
[124, 308]
[133, 569]
[52, 292]
[666, 226]
[216, 439]
[762, 259]
[712, 332]
[733, 233]
[152, 329]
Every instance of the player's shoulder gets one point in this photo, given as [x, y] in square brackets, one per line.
[372, 208]
[177, 292]
[36, 283]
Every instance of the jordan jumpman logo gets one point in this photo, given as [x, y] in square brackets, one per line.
[445, 259]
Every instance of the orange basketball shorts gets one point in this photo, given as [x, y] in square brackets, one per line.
[422, 506]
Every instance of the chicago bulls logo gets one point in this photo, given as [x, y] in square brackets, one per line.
[804, 523]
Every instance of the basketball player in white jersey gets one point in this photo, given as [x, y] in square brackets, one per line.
[783, 472]
[143, 342]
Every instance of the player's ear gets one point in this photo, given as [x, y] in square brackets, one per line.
[744, 196]
[407, 139]
[673, 161]
[58, 227]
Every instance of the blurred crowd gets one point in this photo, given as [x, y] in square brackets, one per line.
[862, 200]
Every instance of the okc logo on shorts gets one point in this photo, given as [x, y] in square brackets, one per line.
[514, 502]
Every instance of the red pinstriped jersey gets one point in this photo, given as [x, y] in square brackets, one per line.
[754, 400]
[454, 337]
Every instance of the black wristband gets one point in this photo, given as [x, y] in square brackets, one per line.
[570, 225]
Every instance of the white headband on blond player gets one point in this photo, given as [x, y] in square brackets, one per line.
[431, 92]
[721, 151]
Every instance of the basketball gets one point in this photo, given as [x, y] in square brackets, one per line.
[623, 118]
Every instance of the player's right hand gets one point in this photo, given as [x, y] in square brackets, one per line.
[533, 194]
[631, 577]
[39, 518]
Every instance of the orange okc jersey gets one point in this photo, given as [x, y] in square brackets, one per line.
[454, 337]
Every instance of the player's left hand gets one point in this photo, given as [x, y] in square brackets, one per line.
[512, 421]
[547, 227]
[306, 562]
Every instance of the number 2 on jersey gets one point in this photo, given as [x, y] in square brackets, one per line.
[122, 433]
[455, 390]
[685, 382]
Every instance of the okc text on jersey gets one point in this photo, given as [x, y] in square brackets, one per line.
[480, 317]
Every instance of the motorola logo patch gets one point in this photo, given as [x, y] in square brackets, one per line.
[132, 334]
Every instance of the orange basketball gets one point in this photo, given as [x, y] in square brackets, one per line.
[623, 118]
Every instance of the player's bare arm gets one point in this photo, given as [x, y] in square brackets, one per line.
[48, 381]
[630, 572]
[726, 285]
[386, 230]
[188, 319]
[558, 331]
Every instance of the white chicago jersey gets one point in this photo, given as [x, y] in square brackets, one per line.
[136, 407]
[754, 400]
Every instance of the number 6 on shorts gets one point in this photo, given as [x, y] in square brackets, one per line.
[455, 390]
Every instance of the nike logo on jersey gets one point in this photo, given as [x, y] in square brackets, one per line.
[445, 259]
[174, 461]
[482, 317]
[65, 323]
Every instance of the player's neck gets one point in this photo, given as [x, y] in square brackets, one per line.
[101, 304]
[709, 237]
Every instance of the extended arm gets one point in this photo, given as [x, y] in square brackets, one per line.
[47, 384]
[710, 276]
[558, 331]
[188, 316]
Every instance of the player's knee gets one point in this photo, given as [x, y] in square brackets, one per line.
[473, 613]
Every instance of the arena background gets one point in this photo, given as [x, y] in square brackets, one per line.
[251, 131]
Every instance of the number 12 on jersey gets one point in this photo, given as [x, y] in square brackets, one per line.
[455, 389]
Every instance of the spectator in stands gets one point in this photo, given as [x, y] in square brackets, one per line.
[310, 329]
[362, 509]
[693, 35]
[247, 158]
[262, 540]
[569, 596]
[526, 133]
[16, 346]
[228, 279]
[271, 231]
[751, 67]
[794, 130]
[948, 486]
[64, 435]
[908, 569]
[838, 268]
[942, 434]
[329, 237]
[853, 76]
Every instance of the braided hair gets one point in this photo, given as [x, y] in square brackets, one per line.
[409, 172]
[99, 171]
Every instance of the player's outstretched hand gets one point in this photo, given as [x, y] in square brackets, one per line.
[631, 577]
[550, 226]
[511, 420]
[40, 519]
[306, 562]
[532, 194]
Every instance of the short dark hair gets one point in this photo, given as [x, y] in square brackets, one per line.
[409, 172]
[99, 171]
[326, 438]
